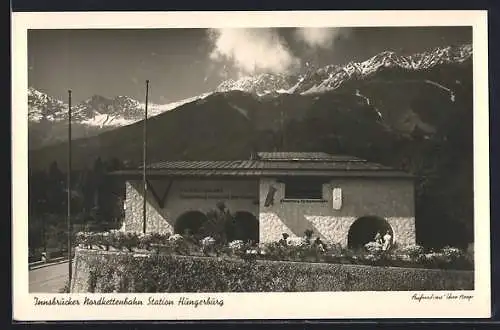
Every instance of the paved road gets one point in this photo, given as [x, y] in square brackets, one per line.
[49, 278]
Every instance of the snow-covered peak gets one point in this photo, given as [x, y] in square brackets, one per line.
[42, 106]
[260, 84]
[48, 116]
[97, 111]
[160, 108]
[330, 77]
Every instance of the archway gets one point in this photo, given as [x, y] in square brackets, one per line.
[191, 220]
[364, 229]
[245, 227]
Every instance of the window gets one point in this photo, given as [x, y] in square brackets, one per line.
[303, 189]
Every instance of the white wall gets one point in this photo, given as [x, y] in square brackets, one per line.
[391, 199]
[183, 196]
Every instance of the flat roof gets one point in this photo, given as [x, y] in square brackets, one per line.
[270, 165]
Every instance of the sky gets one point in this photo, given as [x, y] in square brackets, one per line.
[182, 63]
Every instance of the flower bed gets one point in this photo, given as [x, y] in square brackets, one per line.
[297, 249]
[112, 271]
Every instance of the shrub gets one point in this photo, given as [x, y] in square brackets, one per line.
[274, 251]
[80, 238]
[433, 260]
[161, 238]
[131, 240]
[307, 253]
[218, 222]
[373, 247]
[184, 245]
[296, 241]
[208, 244]
[414, 252]
[124, 272]
[175, 238]
[117, 239]
[148, 240]
[207, 241]
[145, 241]
[264, 249]
[372, 258]
[65, 288]
[250, 254]
[295, 249]
[308, 233]
[84, 239]
[452, 254]
[237, 246]
[469, 253]
[104, 239]
[334, 248]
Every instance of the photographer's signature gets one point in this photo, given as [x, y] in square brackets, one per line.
[442, 296]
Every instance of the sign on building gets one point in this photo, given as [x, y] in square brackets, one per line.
[337, 198]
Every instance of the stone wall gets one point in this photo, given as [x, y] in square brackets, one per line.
[404, 230]
[391, 199]
[183, 196]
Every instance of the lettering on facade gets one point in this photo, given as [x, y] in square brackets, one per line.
[304, 201]
[213, 193]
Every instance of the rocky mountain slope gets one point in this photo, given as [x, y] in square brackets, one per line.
[413, 113]
[47, 116]
[331, 77]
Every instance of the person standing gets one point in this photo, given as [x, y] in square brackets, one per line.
[387, 241]
[308, 236]
[318, 243]
[284, 240]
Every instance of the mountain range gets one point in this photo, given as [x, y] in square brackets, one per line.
[47, 115]
[412, 113]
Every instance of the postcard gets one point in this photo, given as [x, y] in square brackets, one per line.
[250, 165]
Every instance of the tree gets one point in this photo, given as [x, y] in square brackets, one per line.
[103, 194]
[114, 164]
[112, 194]
[55, 190]
[37, 192]
[219, 223]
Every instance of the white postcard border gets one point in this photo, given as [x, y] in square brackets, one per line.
[353, 305]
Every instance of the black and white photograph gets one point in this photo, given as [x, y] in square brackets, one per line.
[276, 160]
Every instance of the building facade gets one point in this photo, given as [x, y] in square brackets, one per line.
[341, 199]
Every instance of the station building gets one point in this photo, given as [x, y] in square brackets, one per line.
[342, 199]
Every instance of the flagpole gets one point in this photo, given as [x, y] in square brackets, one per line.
[144, 182]
[70, 264]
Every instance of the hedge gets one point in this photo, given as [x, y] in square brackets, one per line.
[406, 256]
[106, 272]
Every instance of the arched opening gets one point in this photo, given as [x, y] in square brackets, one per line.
[190, 221]
[364, 229]
[245, 227]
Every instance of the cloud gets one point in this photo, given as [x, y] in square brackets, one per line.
[321, 37]
[252, 50]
